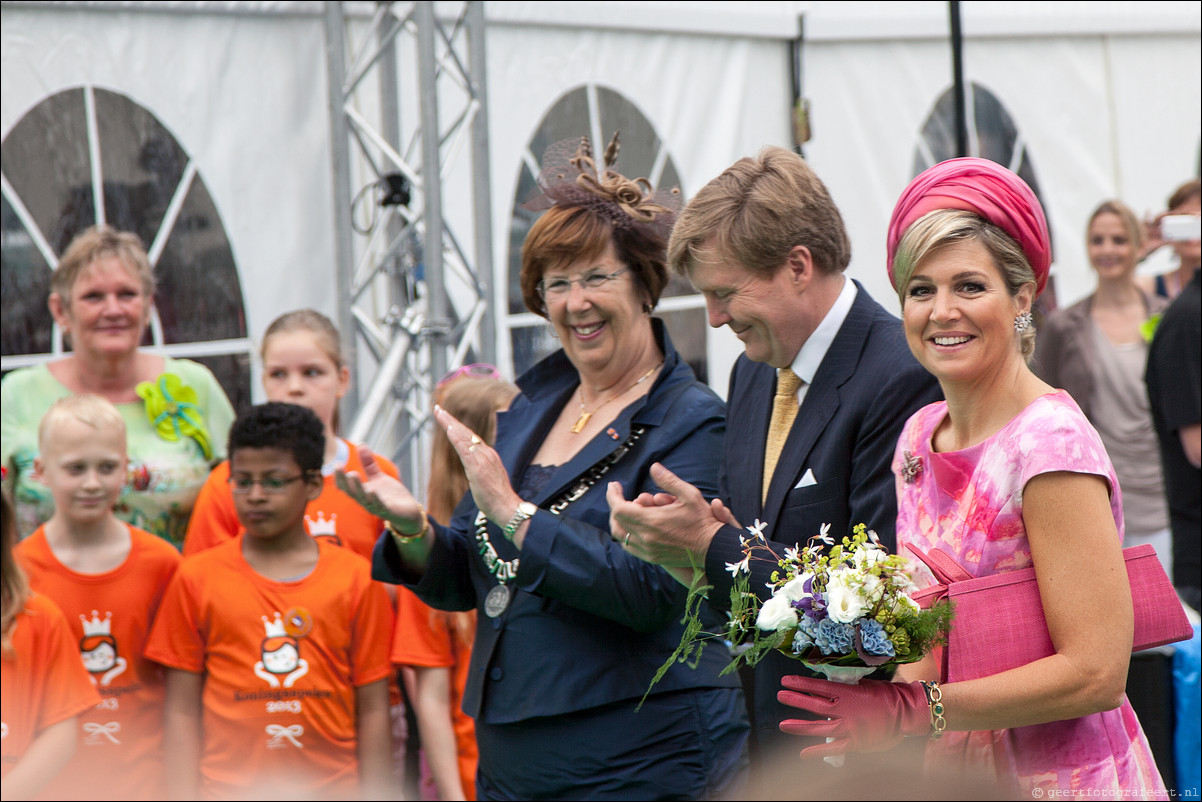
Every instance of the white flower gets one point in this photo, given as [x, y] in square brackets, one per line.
[793, 554]
[824, 534]
[866, 557]
[757, 528]
[871, 588]
[777, 615]
[905, 605]
[794, 589]
[742, 565]
[843, 600]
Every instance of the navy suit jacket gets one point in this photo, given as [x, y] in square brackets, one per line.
[845, 433]
[589, 624]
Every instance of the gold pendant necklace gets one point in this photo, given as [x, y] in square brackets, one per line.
[585, 414]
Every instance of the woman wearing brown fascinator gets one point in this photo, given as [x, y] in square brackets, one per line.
[572, 628]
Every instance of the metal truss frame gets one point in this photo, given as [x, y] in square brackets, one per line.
[406, 99]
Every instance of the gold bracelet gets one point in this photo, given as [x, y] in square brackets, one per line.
[403, 539]
[935, 700]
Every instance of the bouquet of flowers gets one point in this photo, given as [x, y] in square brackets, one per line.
[843, 610]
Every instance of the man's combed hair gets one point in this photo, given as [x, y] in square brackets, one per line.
[288, 427]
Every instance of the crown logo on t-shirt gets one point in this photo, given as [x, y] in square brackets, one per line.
[321, 526]
[274, 629]
[97, 626]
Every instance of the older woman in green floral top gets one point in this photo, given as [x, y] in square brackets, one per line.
[176, 414]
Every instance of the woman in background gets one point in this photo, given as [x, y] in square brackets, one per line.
[1097, 350]
[176, 415]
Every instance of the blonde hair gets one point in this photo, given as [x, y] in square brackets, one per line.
[89, 409]
[944, 227]
[324, 332]
[757, 211]
[1135, 231]
[96, 243]
[14, 587]
[474, 401]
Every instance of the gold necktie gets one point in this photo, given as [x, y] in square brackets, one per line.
[784, 410]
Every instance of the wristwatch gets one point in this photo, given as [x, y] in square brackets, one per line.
[525, 510]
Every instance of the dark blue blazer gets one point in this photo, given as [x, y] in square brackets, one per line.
[865, 389]
[589, 624]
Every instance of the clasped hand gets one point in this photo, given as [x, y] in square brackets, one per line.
[672, 528]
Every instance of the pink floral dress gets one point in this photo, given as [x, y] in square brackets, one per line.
[969, 503]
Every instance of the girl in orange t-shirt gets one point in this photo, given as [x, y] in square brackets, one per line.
[302, 364]
[434, 647]
[43, 685]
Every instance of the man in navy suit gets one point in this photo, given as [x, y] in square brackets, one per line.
[766, 246]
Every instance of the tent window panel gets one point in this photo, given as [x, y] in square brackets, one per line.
[25, 327]
[45, 158]
[569, 117]
[233, 374]
[142, 163]
[199, 297]
[529, 344]
[994, 135]
[519, 227]
[687, 328]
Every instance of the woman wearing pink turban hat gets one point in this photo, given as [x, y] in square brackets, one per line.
[1005, 474]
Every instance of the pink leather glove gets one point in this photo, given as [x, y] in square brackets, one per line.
[869, 717]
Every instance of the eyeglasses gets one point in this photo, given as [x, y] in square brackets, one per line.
[477, 370]
[270, 484]
[559, 287]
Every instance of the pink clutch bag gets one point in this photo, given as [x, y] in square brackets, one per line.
[998, 621]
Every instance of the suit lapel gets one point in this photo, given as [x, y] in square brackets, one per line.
[746, 435]
[820, 405]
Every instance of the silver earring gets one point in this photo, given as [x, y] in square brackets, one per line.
[1022, 321]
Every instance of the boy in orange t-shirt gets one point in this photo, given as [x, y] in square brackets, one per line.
[107, 578]
[275, 643]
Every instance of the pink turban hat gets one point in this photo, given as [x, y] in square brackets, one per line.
[984, 188]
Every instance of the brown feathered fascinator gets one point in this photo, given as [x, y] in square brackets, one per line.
[570, 177]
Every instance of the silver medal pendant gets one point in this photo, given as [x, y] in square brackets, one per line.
[496, 601]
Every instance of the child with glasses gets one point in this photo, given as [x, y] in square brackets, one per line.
[275, 642]
[108, 578]
[302, 364]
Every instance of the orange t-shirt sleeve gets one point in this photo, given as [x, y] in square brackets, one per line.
[370, 636]
[177, 639]
[214, 519]
[43, 681]
[421, 636]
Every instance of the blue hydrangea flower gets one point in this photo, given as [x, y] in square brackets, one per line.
[834, 638]
[801, 641]
[875, 639]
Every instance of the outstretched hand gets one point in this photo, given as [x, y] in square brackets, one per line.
[672, 528]
[380, 494]
[486, 474]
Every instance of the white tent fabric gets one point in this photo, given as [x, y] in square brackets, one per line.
[1107, 98]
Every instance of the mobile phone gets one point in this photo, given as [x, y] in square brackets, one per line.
[1178, 227]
